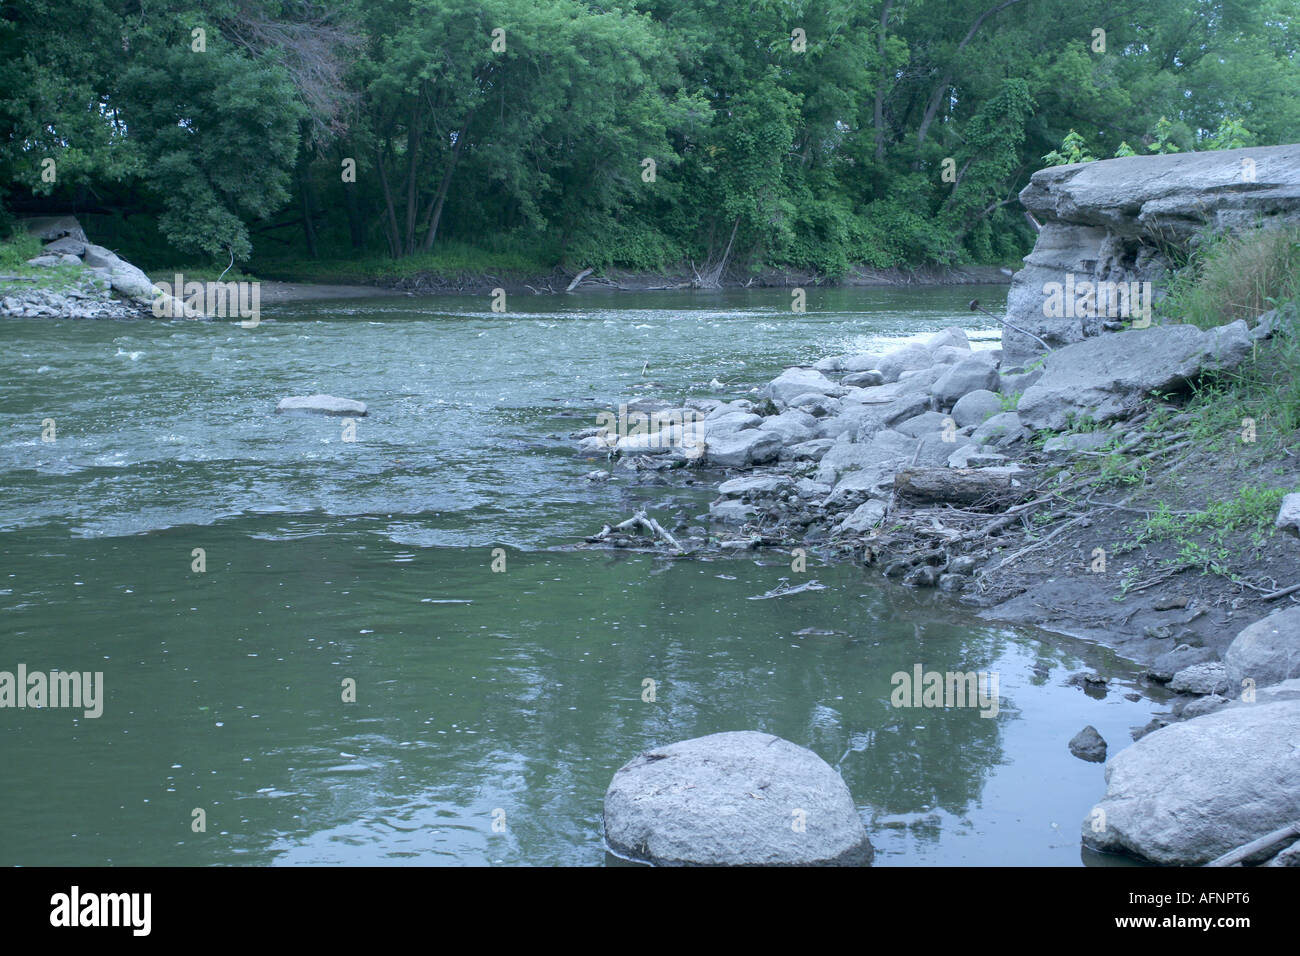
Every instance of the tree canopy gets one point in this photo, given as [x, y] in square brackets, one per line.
[731, 134]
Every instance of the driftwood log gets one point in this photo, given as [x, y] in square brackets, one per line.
[966, 486]
[1285, 835]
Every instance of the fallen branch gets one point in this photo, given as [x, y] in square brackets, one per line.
[577, 280]
[1281, 594]
[1265, 842]
[638, 520]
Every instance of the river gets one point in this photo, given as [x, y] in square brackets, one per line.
[230, 571]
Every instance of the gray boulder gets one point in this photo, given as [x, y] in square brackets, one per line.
[1209, 677]
[321, 405]
[924, 424]
[1194, 790]
[1288, 515]
[733, 799]
[741, 449]
[1001, 430]
[863, 379]
[755, 486]
[794, 382]
[1164, 667]
[1267, 652]
[67, 246]
[864, 517]
[793, 425]
[951, 337]
[97, 257]
[907, 358]
[43, 261]
[1105, 377]
[975, 408]
[882, 454]
[966, 376]
[1116, 221]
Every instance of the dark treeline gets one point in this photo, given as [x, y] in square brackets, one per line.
[641, 133]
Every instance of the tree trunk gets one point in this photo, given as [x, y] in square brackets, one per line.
[965, 486]
[941, 91]
[412, 166]
[434, 216]
[878, 117]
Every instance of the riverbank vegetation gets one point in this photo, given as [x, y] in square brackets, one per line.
[371, 141]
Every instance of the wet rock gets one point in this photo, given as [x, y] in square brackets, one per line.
[1209, 677]
[1164, 667]
[922, 576]
[733, 799]
[1154, 724]
[1192, 791]
[963, 564]
[952, 583]
[321, 405]
[1288, 516]
[1267, 652]
[1088, 745]
[975, 408]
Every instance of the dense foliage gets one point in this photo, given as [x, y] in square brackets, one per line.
[730, 134]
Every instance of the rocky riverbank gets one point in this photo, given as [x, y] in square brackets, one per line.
[1095, 477]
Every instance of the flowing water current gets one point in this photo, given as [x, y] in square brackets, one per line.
[481, 696]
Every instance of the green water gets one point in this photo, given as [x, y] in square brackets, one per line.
[480, 695]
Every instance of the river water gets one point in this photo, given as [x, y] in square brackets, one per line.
[482, 696]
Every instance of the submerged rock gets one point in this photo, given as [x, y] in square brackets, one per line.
[734, 799]
[1088, 745]
[1192, 791]
[321, 405]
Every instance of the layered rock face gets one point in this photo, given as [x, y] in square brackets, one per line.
[1119, 220]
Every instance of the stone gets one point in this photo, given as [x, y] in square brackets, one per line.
[1118, 220]
[863, 379]
[755, 486]
[794, 382]
[1078, 441]
[905, 359]
[952, 583]
[1203, 705]
[1107, 376]
[951, 337]
[733, 799]
[742, 449]
[882, 454]
[1190, 792]
[816, 404]
[1288, 515]
[864, 517]
[966, 376]
[321, 405]
[923, 576]
[1001, 430]
[1089, 745]
[1266, 652]
[977, 407]
[67, 246]
[807, 450]
[1164, 667]
[732, 511]
[924, 424]
[97, 257]
[793, 425]
[1208, 677]
[43, 262]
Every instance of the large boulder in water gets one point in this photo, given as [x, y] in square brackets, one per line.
[734, 799]
[1192, 791]
[321, 405]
